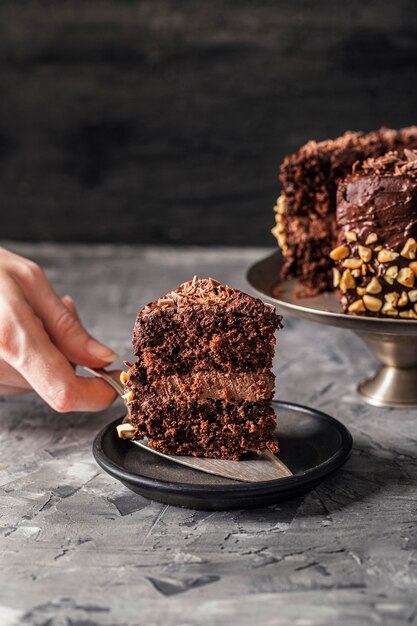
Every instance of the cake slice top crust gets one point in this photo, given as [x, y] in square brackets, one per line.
[207, 292]
[204, 324]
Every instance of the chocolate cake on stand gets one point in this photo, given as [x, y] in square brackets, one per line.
[305, 212]
[346, 223]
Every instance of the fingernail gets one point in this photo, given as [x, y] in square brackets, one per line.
[100, 351]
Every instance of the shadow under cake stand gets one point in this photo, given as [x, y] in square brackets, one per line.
[392, 341]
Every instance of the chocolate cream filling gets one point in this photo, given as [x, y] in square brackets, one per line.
[211, 385]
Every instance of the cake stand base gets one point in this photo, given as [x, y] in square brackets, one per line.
[395, 383]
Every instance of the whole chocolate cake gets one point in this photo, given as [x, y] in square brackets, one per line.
[202, 384]
[375, 268]
[305, 212]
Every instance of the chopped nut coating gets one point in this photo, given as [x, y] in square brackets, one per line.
[365, 253]
[413, 295]
[390, 274]
[388, 310]
[403, 299]
[347, 281]
[280, 205]
[352, 264]
[356, 306]
[374, 286]
[410, 248]
[413, 267]
[339, 253]
[409, 314]
[371, 238]
[372, 303]
[336, 277]
[391, 298]
[385, 256]
[406, 277]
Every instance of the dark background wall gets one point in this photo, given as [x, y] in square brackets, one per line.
[165, 121]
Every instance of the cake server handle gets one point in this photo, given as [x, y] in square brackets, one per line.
[113, 382]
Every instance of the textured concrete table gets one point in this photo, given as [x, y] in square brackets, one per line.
[78, 549]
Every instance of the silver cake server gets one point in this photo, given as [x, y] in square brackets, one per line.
[255, 468]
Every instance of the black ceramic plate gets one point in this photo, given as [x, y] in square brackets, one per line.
[313, 445]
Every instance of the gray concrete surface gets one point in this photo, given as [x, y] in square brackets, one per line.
[78, 549]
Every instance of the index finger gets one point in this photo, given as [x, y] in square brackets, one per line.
[28, 348]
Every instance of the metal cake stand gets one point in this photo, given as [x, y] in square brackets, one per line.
[393, 342]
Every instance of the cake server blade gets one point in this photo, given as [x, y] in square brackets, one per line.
[255, 468]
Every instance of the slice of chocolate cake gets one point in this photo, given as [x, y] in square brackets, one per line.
[305, 212]
[375, 265]
[202, 384]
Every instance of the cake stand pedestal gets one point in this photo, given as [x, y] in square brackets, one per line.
[392, 341]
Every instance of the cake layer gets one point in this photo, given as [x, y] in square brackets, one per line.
[201, 384]
[252, 386]
[197, 328]
[212, 428]
[305, 214]
[375, 267]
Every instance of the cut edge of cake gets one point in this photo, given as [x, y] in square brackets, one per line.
[202, 383]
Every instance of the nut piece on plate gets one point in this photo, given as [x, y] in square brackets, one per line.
[126, 431]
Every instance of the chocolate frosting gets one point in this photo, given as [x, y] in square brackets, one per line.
[254, 386]
[381, 196]
[305, 221]
[205, 292]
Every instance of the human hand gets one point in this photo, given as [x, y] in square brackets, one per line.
[41, 338]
